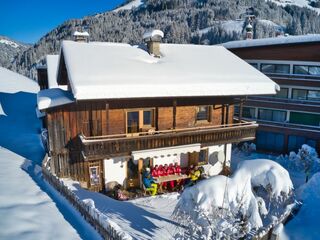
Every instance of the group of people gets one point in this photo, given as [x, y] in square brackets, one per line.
[149, 175]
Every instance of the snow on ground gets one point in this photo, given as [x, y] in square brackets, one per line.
[130, 5]
[300, 3]
[32, 208]
[144, 218]
[306, 225]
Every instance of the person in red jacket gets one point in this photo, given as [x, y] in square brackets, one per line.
[177, 171]
[170, 171]
[165, 173]
[155, 171]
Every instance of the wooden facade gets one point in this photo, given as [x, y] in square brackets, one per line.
[84, 133]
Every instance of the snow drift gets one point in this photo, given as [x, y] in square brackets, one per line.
[218, 204]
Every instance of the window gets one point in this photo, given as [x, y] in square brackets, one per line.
[275, 68]
[272, 115]
[306, 70]
[133, 122]
[140, 120]
[283, 93]
[305, 118]
[203, 156]
[295, 142]
[299, 94]
[314, 95]
[255, 65]
[236, 110]
[203, 113]
[303, 94]
[248, 112]
[94, 175]
[270, 141]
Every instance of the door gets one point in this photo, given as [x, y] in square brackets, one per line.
[133, 122]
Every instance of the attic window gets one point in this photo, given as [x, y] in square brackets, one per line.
[203, 113]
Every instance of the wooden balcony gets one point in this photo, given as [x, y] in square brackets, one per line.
[120, 145]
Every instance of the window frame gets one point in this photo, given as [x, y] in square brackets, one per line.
[208, 113]
[141, 124]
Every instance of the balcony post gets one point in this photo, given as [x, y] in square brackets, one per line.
[240, 110]
[174, 113]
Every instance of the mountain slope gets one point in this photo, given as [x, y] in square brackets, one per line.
[9, 49]
[187, 21]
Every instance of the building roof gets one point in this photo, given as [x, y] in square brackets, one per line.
[53, 97]
[52, 69]
[99, 70]
[273, 41]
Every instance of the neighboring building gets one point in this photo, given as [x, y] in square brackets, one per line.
[291, 117]
[127, 107]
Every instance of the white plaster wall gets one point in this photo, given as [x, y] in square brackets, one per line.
[115, 170]
[182, 159]
[217, 157]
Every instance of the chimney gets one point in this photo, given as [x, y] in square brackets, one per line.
[153, 39]
[249, 31]
[81, 36]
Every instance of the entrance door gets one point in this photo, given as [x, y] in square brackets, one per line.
[133, 122]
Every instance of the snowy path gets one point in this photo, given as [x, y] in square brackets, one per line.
[29, 207]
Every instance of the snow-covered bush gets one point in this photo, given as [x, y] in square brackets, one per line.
[248, 148]
[306, 160]
[230, 207]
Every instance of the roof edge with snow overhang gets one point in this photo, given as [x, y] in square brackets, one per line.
[53, 97]
[281, 40]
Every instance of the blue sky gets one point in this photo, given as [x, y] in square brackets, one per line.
[28, 20]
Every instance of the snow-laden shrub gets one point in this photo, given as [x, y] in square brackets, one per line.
[223, 206]
[306, 160]
[248, 148]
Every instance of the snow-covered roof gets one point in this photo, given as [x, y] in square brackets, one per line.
[273, 41]
[52, 67]
[77, 33]
[11, 82]
[99, 70]
[53, 97]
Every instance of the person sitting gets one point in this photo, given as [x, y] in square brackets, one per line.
[155, 171]
[148, 182]
[170, 171]
[194, 176]
[177, 171]
[163, 172]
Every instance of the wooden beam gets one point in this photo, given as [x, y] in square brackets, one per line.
[174, 123]
[240, 110]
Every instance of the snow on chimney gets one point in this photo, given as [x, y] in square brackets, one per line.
[79, 36]
[249, 31]
[153, 39]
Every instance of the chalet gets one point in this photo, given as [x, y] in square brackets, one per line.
[114, 108]
[292, 116]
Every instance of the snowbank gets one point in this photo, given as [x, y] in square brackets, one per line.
[235, 195]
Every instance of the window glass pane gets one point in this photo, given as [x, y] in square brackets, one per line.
[236, 110]
[255, 65]
[248, 112]
[267, 68]
[314, 95]
[314, 70]
[94, 175]
[282, 68]
[300, 69]
[275, 68]
[283, 93]
[305, 118]
[265, 114]
[300, 94]
[279, 116]
[133, 122]
[147, 117]
[203, 156]
[203, 113]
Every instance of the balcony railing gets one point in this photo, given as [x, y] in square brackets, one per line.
[123, 144]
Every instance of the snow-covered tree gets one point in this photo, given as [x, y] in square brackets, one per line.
[229, 208]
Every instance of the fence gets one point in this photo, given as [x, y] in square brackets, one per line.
[91, 215]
